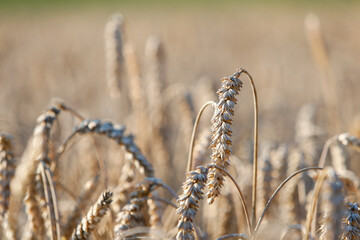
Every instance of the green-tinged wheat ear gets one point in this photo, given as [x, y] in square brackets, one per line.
[351, 230]
[221, 133]
[189, 202]
[93, 217]
[114, 55]
[81, 203]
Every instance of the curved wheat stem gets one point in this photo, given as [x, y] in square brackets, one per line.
[275, 193]
[255, 153]
[234, 236]
[192, 141]
[243, 202]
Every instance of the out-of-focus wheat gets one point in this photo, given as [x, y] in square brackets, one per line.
[333, 207]
[352, 223]
[188, 202]
[114, 54]
[116, 132]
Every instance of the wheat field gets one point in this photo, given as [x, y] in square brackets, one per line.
[180, 122]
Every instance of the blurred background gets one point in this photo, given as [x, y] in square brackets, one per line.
[56, 49]
[300, 53]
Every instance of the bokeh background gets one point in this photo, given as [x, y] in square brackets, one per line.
[56, 49]
[298, 52]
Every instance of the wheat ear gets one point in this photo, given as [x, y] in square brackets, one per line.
[188, 202]
[80, 205]
[327, 77]
[131, 214]
[266, 179]
[352, 223]
[333, 207]
[115, 132]
[221, 133]
[7, 170]
[155, 80]
[348, 140]
[113, 54]
[38, 156]
[93, 217]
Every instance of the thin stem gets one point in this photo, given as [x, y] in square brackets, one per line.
[325, 151]
[160, 200]
[101, 161]
[55, 203]
[293, 227]
[64, 107]
[255, 156]
[192, 142]
[171, 191]
[275, 193]
[66, 189]
[47, 198]
[240, 194]
[237, 235]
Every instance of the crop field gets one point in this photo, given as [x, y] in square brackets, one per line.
[180, 121]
